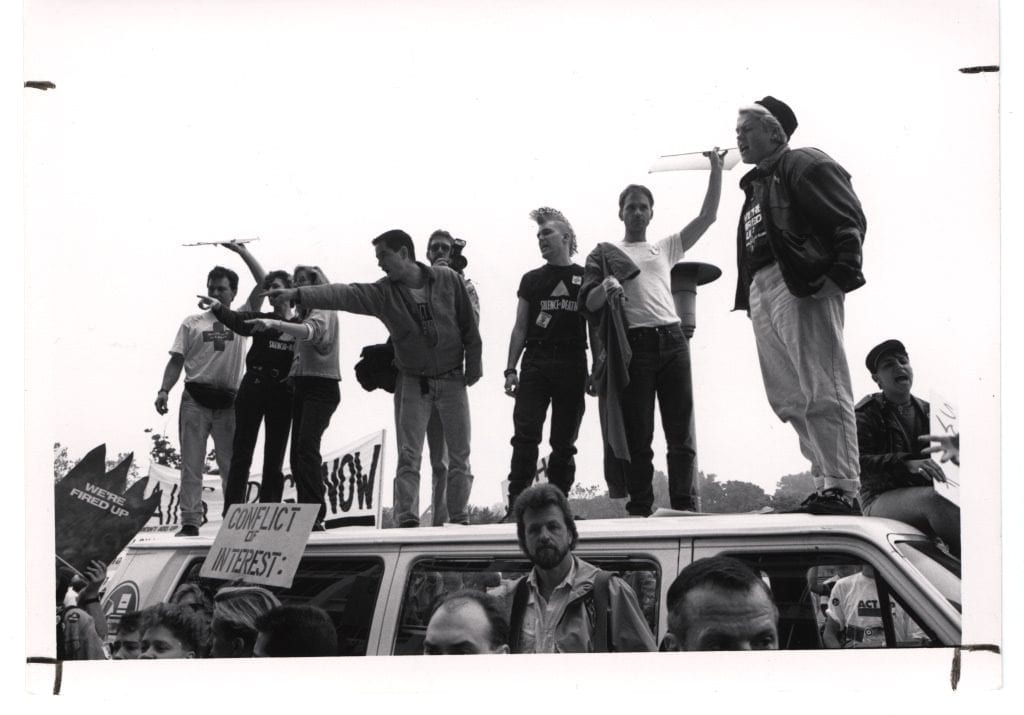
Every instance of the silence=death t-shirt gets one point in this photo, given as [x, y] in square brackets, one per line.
[213, 353]
[552, 293]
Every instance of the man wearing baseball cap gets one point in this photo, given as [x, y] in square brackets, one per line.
[896, 472]
[798, 254]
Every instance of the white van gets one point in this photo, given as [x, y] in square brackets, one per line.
[379, 585]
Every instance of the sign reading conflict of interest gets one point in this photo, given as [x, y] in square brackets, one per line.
[260, 543]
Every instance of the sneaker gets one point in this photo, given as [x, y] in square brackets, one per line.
[188, 530]
[831, 501]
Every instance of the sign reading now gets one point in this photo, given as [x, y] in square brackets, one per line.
[261, 543]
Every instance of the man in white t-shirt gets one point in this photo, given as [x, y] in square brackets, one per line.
[212, 357]
[854, 616]
[660, 363]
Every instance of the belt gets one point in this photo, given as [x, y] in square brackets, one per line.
[672, 329]
[271, 372]
[856, 633]
[540, 346]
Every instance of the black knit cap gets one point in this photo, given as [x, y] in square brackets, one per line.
[881, 350]
[781, 111]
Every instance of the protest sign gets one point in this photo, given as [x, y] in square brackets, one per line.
[944, 421]
[260, 543]
[352, 490]
[94, 517]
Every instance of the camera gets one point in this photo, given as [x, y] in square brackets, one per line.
[458, 262]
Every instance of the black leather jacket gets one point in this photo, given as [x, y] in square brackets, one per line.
[885, 447]
[815, 223]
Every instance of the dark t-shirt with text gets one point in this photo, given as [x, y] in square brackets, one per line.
[552, 293]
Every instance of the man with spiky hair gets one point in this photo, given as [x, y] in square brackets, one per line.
[551, 329]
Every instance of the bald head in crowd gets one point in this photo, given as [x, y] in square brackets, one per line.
[720, 603]
[466, 622]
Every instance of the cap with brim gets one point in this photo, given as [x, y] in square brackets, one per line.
[881, 350]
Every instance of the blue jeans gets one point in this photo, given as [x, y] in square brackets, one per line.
[260, 400]
[313, 404]
[196, 424]
[557, 377]
[660, 367]
[438, 447]
[415, 399]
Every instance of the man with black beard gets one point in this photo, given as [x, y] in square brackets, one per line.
[565, 605]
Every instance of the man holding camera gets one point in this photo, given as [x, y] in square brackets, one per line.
[443, 249]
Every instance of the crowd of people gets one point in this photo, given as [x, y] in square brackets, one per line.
[799, 251]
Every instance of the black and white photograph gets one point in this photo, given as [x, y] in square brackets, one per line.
[631, 337]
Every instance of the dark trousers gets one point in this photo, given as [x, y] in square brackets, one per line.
[269, 401]
[550, 376]
[660, 367]
[314, 401]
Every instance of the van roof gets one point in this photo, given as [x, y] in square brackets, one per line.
[590, 530]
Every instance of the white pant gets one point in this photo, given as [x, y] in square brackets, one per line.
[806, 376]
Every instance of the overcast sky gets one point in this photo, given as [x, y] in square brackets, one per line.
[316, 126]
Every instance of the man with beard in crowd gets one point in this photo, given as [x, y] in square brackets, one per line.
[565, 605]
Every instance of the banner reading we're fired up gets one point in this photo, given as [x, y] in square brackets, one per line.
[352, 490]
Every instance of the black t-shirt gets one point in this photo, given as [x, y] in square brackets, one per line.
[270, 349]
[757, 253]
[553, 295]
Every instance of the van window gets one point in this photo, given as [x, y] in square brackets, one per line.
[834, 601]
[345, 587]
[431, 579]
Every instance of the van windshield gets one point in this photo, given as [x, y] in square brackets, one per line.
[937, 566]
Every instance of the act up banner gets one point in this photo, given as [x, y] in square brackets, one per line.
[94, 517]
[352, 490]
[260, 543]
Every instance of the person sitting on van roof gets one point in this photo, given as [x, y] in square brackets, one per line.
[467, 622]
[295, 632]
[235, 610]
[551, 605]
[174, 631]
[720, 603]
